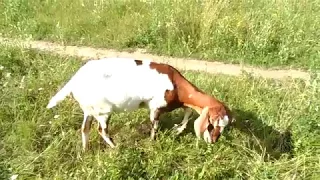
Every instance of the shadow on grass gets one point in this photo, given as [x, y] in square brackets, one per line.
[273, 141]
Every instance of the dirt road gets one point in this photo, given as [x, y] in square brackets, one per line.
[180, 63]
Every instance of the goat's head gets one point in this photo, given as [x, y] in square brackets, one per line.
[212, 122]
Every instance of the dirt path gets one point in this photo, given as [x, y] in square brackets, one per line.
[180, 63]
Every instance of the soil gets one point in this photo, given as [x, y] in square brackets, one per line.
[180, 63]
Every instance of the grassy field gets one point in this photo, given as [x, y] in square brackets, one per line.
[276, 135]
[262, 32]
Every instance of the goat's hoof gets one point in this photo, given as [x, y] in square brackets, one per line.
[153, 137]
[176, 127]
[179, 129]
[112, 145]
[153, 134]
[85, 149]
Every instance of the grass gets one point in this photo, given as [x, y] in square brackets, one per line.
[263, 32]
[276, 135]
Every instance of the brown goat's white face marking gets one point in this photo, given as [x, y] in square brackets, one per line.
[190, 96]
[222, 123]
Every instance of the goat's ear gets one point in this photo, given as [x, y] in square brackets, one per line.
[201, 123]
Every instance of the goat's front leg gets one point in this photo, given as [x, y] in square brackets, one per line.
[103, 121]
[154, 118]
[85, 129]
[182, 126]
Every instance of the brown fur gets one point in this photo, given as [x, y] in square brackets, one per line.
[138, 62]
[185, 94]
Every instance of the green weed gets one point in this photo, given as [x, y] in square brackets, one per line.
[262, 32]
[276, 135]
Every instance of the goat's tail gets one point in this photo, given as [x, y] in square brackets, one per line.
[61, 95]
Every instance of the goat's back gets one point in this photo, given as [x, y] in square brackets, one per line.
[121, 82]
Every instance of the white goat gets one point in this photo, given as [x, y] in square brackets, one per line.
[123, 84]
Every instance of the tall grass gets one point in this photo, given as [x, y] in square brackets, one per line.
[262, 32]
[276, 135]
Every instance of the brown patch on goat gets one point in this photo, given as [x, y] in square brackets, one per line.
[216, 113]
[185, 94]
[171, 96]
[183, 88]
[138, 62]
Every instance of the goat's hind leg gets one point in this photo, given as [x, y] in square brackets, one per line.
[154, 118]
[103, 121]
[85, 129]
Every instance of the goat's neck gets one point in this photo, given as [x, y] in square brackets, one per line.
[195, 98]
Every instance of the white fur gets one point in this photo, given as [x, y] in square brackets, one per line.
[115, 84]
[222, 123]
[207, 137]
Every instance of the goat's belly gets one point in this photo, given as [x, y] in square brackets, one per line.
[114, 103]
[129, 106]
[104, 107]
